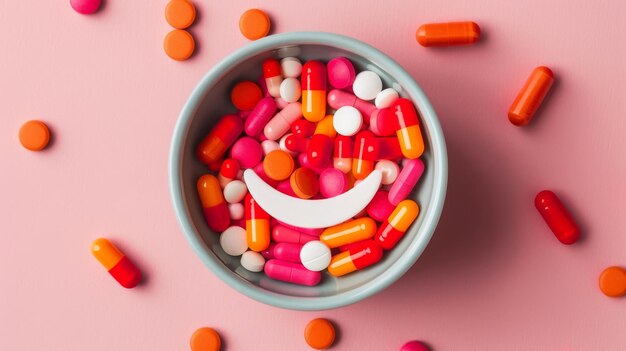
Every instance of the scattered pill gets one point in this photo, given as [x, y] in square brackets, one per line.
[245, 95]
[613, 281]
[341, 73]
[235, 191]
[278, 165]
[557, 217]
[347, 120]
[205, 339]
[236, 211]
[179, 44]
[315, 256]
[531, 96]
[252, 261]
[367, 85]
[291, 67]
[118, 265]
[447, 34]
[386, 97]
[180, 14]
[254, 24]
[414, 346]
[86, 7]
[213, 203]
[34, 135]
[319, 334]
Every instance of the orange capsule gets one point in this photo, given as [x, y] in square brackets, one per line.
[409, 133]
[448, 34]
[348, 232]
[220, 138]
[213, 203]
[397, 224]
[257, 225]
[313, 91]
[118, 265]
[356, 256]
[530, 97]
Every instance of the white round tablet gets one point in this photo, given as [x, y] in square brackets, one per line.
[235, 191]
[386, 97]
[367, 85]
[291, 67]
[389, 169]
[290, 89]
[347, 120]
[315, 256]
[233, 241]
[252, 261]
[269, 146]
[236, 211]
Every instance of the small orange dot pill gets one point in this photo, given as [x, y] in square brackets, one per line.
[180, 14]
[254, 24]
[179, 44]
[278, 165]
[613, 281]
[448, 34]
[205, 339]
[304, 183]
[531, 96]
[245, 95]
[319, 334]
[34, 135]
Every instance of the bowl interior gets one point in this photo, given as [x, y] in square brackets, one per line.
[212, 101]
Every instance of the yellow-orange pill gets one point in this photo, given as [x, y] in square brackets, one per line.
[319, 334]
[613, 281]
[205, 339]
[34, 135]
[325, 126]
[254, 24]
[348, 232]
[531, 96]
[447, 34]
[179, 44]
[114, 261]
[180, 14]
[278, 165]
[304, 183]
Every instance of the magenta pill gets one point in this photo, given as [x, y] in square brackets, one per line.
[85, 7]
[282, 234]
[341, 72]
[338, 98]
[247, 151]
[333, 182]
[285, 188]
[289, 252]
[414, 346]
[380, 208]
[291, 272]
[408, 177]
[260, 115]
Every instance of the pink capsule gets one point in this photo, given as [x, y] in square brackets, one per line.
[383, 122]
[289, 252]
[338, 98]
[296, 144]
[285, 188]
[291, 272]
[319, 150]
[380, 208]
[268, 253]
[281, 122]
[260, 115]
[282, 234]
[308, 231]
[408, 177]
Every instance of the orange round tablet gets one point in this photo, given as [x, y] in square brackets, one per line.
[613, 281]
[34, 135]
[254, 24]
[180, 14]
[245, 95]
[179, 44]
[205, 339]
[278, 165]
[304, 183]
[319, 334]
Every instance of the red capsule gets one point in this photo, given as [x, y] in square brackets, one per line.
[313, 91]
[339, 98]
[302, 128]
[358, 256]
[388, 149]
[319, 150]
[220, 138]
[556, 216]
[213, 203]
[273, 77]
[409, 133]
[364, 154]
[343, 153]
[383, 122]
[296, 144]
[257, 225]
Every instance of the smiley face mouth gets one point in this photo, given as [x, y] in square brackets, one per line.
[319, 213]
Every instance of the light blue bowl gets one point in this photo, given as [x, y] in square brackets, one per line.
[210, 100]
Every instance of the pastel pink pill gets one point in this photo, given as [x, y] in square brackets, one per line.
[260, 115]
[389, 169]
[287, 252]
[247, 151]
[338, 98]
[281, 122]
[380, 208]
[333, 182]
[269, 146]
[408, 177]
[291, 272]
[414, 346]
[260, 171]
[341, 72]
[308, 231]
[85, 7]
[282, 234]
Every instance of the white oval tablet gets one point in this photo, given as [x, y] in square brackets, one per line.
[290, 89]
[389, 169]
[236, 211]
[290, 67]
[367, 85]
[315, 256]
[386, 97]
[233, 241]
[235, 191]
[269, 146]
[252, 261]
[347, 120]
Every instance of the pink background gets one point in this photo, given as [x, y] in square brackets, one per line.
[493, 277]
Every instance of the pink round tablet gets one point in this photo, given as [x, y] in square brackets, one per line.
[85, 7]
[414, 346]
[341, 72]
[333, 182]
[247, 151]
[380, 208]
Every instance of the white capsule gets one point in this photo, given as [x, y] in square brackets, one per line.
[386, 97]
[291, 67]
[233, 241]
[315, 256]
[235, 191]
[367, 85]
[347, 120]
[252, 261]
[236, 211]
[389, 169]
[290, 89]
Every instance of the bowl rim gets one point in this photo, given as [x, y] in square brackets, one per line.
[431, 215]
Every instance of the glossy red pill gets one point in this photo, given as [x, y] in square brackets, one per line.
[557, 217]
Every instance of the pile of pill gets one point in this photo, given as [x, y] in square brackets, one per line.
[179, 44]
[311, 131]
